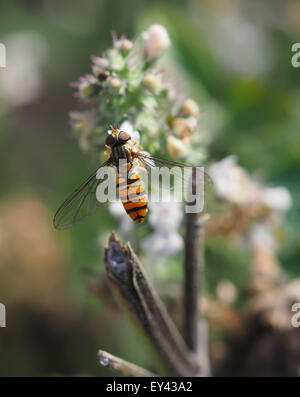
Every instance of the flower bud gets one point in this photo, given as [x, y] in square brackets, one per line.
[176, 147]
[87, 90]
[77, 125]
[115, 82]
[126, 45]
[156, 40]
[100, 61]
[83, 122]
[190, 107]
[184, 126]
[88, 87]
[151, 82]
[100, 73]
[226, 291]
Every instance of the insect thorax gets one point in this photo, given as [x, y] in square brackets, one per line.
[121, 152]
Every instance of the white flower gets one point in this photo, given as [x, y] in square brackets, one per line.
[226, 291]
[21, 82]
[276, 198]
[125, 44]
[156, 40]
[261, 235]
[117, 210]
[175, 146]
[165, 219]
[157, 245]
[231, 182]
[190, 107]
[135, 135]
[151, 82]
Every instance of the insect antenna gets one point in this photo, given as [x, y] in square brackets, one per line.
[114, 129]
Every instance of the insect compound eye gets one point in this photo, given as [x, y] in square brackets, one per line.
[110, 140]
[124, 136]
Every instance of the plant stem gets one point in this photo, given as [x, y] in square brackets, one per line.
[195, 327]
[193, 268]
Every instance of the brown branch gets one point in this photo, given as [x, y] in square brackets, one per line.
[192, 276]
[203, 348]
[125, 367]
[130, 283]
[195, 327]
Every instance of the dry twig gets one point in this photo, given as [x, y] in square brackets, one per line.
[125, 367]
[130, 283]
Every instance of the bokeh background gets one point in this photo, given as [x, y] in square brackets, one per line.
[235, 59]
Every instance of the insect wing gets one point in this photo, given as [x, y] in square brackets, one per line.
[150, 161]
[81, 203]
[181, 172]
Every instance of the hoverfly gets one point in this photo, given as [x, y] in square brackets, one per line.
[83, 201]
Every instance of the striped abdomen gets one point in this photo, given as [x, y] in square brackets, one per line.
[133, 196]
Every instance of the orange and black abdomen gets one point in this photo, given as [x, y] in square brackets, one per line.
[133, 196]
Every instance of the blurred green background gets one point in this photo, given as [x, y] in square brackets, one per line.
[235, 57]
